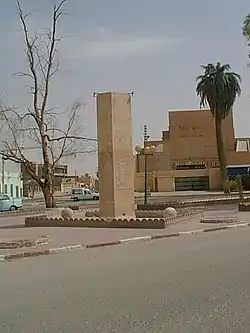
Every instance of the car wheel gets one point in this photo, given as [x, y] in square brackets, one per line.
[95, 198]
[75, 199]
[13, 208]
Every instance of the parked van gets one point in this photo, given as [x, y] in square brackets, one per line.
[78, 194]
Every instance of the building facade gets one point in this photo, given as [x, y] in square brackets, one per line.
[30, 187]
[87, 180]
[186, 156]
[11, 179]
[62, 181]
[83, 181]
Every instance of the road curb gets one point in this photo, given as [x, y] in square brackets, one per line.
[27, 254]
[8, 257]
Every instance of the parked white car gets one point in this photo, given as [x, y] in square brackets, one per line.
[78, 194]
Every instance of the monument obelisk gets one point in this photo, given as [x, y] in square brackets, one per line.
[115, 155]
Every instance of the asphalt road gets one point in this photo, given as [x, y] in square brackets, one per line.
[11, 221]
[194, 284]
[61, 202]
[65, 201]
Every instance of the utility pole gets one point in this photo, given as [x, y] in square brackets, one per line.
[75, 179]
[2, 175]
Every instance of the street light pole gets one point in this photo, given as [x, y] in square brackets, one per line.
[145, 150]
[145, 139]
[145, 179]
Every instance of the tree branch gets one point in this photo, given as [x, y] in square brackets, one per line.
[57, 13]
[71, 137]
[31, 59]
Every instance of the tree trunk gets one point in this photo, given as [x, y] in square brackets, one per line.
[49, 195]
[221, 152]
[48, 190]
[32, 190]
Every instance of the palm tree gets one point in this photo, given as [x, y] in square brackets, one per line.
[246, 29]
[218, 88]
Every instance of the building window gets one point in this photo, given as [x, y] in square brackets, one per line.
[17, 192]
[5, 188]
[11, 190]
[21, 192]
[241, 145]
[215, 164]
[208, 148]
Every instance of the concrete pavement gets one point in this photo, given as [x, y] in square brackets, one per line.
[68, 239]
[71, 239]
[86, 237]
[191, 284]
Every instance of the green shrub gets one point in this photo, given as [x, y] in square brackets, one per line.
[232, 185]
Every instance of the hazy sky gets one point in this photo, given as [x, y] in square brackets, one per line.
[153, 48]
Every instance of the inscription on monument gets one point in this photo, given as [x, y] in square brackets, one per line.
[122, 176]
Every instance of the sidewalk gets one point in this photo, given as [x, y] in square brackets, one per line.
[65, 239]
[87, 236]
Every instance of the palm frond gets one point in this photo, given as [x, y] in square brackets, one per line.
[246, 28]
[218, 88]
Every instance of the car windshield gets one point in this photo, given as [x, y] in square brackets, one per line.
[4, 197]
[88, 192]
[77, 191]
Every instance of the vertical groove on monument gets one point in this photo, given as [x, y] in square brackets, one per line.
[115, 155]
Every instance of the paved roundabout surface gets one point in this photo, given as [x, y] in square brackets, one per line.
[190, 284]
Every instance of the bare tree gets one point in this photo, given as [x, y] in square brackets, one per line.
[39, 123]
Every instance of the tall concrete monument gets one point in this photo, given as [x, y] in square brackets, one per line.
[115, 155]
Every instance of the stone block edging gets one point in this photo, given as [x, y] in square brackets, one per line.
[43, 221]
[242, 207]
[190, 203]
[19, 212]
[21, 243]
[25, 211]
[8, 257]
[219, 220]
[88, 222]
[159, 213]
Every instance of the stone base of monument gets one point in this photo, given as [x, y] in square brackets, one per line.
[220, 216]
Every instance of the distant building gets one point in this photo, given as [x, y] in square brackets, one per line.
[30, 187]
[87, 180]
[11, 178]
[186, 156]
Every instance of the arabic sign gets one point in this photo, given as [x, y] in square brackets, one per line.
[189, 131]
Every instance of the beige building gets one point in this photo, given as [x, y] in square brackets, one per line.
[87, 180]
[186, 156]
